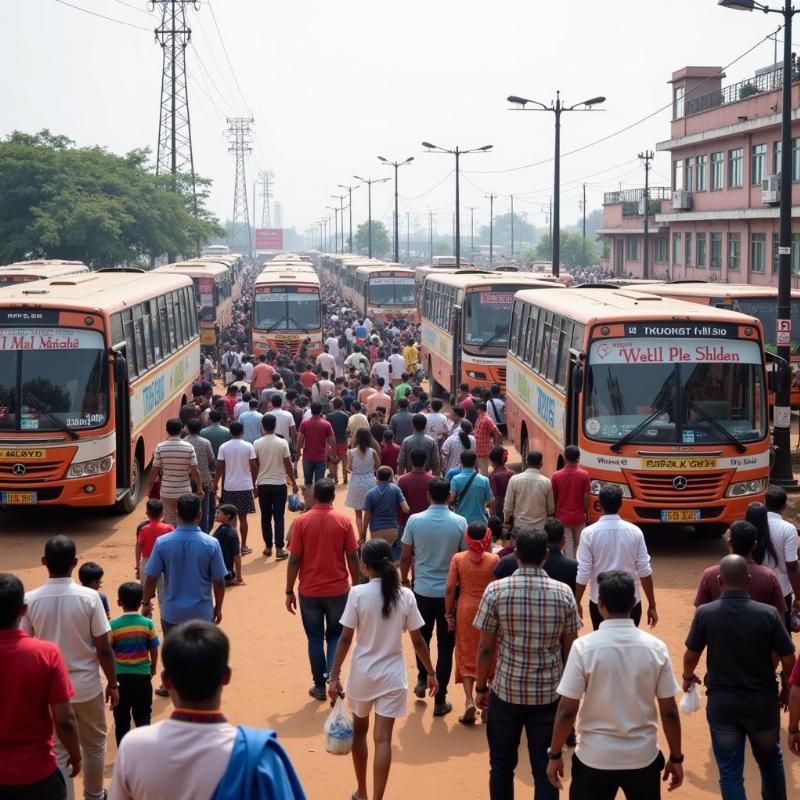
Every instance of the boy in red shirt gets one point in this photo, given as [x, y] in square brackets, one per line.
[390, 450]
[146, 534]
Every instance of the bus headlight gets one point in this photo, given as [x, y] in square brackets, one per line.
[746, 488]
[97, 466]
[476, 376]
[597, 485]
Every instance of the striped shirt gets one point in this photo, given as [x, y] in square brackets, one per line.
[175, 456]
[529, 612]
[132, 638]
[206, 461]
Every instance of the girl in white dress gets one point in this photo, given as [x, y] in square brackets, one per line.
[362, 461]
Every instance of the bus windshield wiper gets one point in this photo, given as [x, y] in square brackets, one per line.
[638, 429]
[299, 326]
[740, 448]
[272, 327]
[32, 401]
[493, 337]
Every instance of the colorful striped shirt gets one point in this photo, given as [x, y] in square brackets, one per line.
[132, 638]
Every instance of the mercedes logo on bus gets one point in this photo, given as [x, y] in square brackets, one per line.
[18, 469]
[679, 482]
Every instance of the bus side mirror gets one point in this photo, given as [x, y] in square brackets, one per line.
[577, 380]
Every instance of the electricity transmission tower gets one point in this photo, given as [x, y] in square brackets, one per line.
[267, 182]
[174, 153]
[239, 134]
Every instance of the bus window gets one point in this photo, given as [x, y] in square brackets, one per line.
[171, 323]
[154, 322]
[8, 390]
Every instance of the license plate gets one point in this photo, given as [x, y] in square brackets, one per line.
[18, 498]
[680, 516]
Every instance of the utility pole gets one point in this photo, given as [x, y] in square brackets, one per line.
[408, 237]
[350, 206]
[430, 232]
[240, 130]
[491, 230]
[266, 177]
[472, 210]
[647, 156]
[340, 198]
[512, 227]
[335, 227]
[582, 206]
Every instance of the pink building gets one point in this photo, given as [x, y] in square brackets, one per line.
[720, 217]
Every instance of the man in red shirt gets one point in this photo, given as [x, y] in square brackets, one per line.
[307, 377]
[414, 486]
[487, 436]
[230, 400]
[316, 441]
[571, 496]
[390, 450]
[323, 550]
[261, 377]
[34, 696]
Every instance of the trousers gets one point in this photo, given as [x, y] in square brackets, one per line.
[432, 611]
[91, 719]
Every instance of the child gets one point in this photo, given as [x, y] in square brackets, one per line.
[228, 540]
[91, 576]
[146, 534]
[135, 644]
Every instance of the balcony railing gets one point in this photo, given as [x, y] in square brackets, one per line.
[633, 196]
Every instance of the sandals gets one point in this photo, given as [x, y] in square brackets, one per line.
[468, 717]
[355, 796]
[246, 551]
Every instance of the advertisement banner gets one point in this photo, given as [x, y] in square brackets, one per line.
[692, 351]
[269, 238]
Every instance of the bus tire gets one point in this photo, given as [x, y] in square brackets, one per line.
[436, 388]
[131, 499]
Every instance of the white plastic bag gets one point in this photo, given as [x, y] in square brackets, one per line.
[690, 702]
[338, 730]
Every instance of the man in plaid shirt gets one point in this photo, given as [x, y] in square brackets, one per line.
[533, 620]
[487, 436]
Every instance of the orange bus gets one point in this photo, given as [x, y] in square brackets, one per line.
[665, 399]
[385, 292]
[91, 368]
[287, 310]
[27, 271]
[466, 316]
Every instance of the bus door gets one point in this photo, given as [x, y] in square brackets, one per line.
[574, 389]
[122, 416]
[457, 357]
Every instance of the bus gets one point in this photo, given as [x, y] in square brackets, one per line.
[234, 263]
[466, 317]
[665, 399]
[212, 291]
[287, 310]
[27, 271]
[385, 292]
[94, 366]
[216, 250]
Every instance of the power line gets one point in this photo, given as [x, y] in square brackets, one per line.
[103, 16]
[135, 8]
[435, 186]
[227, 57]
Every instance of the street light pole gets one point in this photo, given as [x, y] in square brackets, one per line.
[396, 165]
[647, 156]
[369, 182]
[335, 227]
[457, 152]
[350, 206]
[512, 227]
[557, 108]
[491, 230]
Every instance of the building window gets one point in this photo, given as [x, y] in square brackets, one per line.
[701, 250]
[735, 159]
[716, 251]
[702, 163]
[676, 249]
[687, 249]
[717, 171]
[678, 103]
[677, 174]
[632, 253]
[734, 249]
[758, 164]
[661, 250]
[688, 177]
[758, 245]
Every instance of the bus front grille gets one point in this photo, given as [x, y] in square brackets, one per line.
[33, 470]
[658, 487]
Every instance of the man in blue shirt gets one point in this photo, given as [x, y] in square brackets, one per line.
[432, 538]
[251, 421]
[381, 506]
[470, 492]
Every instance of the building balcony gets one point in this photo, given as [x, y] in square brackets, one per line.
[632, 200]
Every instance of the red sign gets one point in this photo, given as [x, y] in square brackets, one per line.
[269, 238]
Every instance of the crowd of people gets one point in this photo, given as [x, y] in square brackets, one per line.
[439, 537]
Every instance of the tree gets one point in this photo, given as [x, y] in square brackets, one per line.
[523, 231]
[380, 239]
[86, 204]
[572, 252]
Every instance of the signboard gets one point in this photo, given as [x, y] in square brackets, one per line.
[689, 351]
[681, 330]
[391, 281]
[269, 238]
[505, 298]
[28, 316]
[50, 339]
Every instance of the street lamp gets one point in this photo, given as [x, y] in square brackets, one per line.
[457, 152]
[340, 198]
[369, 182]
[557, 108]
[782, 474]
[350, 206]
[335, 227]
[396, 165]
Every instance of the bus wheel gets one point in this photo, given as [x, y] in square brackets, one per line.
[128, 503]
[436, 388]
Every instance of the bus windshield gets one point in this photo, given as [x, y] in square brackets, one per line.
[487, 318]
[693, 391]
[765, 311]
[391, 291]
[286, 311]
[63, 379]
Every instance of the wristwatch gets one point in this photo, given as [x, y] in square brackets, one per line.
[554, 755]
[676, 759]
[114, 685]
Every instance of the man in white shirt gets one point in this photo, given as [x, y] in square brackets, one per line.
[437, 426]
[242, 406]
[529, 496]
[323, 389]
[247, 368]
[382, 369]
[236, 468]
[326, 362]
[332, 343]
[230, 363]
[284, 421]
[621, 674]
[368, 324]
[398, 365]
[784, 541]
[73, 617]
[613, 544]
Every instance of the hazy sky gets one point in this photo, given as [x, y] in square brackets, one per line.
[332, 85]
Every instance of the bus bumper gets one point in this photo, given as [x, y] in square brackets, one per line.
[95, 490]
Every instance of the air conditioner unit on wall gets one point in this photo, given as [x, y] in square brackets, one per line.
[681, 200]
[771, 189]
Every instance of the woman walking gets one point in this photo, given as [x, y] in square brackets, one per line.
[455, 444]
[380, 611]
[470, 573]
[362, 461]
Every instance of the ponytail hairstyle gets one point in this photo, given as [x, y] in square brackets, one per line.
[363, 439]
[465, 429]
[757, 515]
[377, 555]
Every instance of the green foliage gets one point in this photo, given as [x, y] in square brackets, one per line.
[572, 253]
[86, 204]
[381, 245]
[523, 230]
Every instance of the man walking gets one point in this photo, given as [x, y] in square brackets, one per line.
[431, 539]
[175, 462]
[237, 469]
[73, 617]
[418, 441]
[215, 432]
[323, 551]
[274, 465]
[744, 640]
[784, 541]
[571, 496]
[487, 436]
[613, 544]
[470, 493]
[206, 464]
[316, 443]
[529, 496]
[617, 675]
[532, 622]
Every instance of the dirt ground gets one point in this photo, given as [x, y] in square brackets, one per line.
[271, 674]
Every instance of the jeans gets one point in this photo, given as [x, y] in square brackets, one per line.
[272, 504]
[727, 742]
[504, 732]
[432, 611]
[313, 471]
[135, 700]
[588, 783]
[209, 507]
[51, 788]
[597, 617]
[321, 617]
[91, 718]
